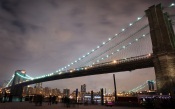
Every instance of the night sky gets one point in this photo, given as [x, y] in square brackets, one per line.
[41, 36]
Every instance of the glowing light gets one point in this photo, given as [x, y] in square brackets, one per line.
[138, 18]
[107, 56]
[76, 61]
[79, 59]
[83, 56]
[116, 34]
[112, 53]
[109, 39]
[118, 50]
[98, 46]
[102, 58]
[172, 4]
[68, 65]
[130, 24]
[123, 29]
[103, 43]
[114, 61]
[123, 46]
[92, 49]
[143, 35]
[130, 43]
[136, 39]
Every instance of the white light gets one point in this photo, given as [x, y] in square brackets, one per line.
[116, 34]
[72, 63]
[83, 56]
[76, 61]
[102, 58]
[57, 71]
[62, 68]
[112, 53]
[93, 63]
[68, 65]
[88, 53]
[98, 46]
[109, 39]
[130, 43]
[103, 43]
[93, 50]
[123, 46]
[114, 61]
[97, 60]
[118, 50]
[123, 29]
[138, 18]
[130, 24]
[79, 59]
[107, 56]
[143, 35]
[136, 39]
[65, 67]
[172, 4]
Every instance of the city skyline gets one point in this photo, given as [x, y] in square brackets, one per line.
[53, 33]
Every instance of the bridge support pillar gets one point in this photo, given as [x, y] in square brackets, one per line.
[164, 66]
[163, 42]
[16, 92]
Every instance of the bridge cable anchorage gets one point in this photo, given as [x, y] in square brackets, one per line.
[116, 45]
[103, 43]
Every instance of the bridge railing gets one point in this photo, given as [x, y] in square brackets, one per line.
[142, 57]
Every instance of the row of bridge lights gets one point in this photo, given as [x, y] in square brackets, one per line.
[103, 43]
[77, 69]
[79, 59]
[83, 68]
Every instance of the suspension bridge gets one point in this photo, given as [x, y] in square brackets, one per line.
[149, 41]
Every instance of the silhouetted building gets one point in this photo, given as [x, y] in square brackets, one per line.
[83, 88]
[38, 85]
[66, 92]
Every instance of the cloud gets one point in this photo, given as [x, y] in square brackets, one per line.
[44, 35]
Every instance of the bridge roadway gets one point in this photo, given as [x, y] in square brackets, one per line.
[27, 105]
[127, 64]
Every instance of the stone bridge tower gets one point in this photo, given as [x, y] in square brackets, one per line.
[163, 42]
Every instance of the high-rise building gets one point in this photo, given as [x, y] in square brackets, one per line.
[66, 92]
[83, 88]
[38, 85]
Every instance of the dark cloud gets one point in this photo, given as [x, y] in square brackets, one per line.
[44, 35]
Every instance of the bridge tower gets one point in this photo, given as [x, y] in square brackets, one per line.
[163, 42]
[15, 89]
